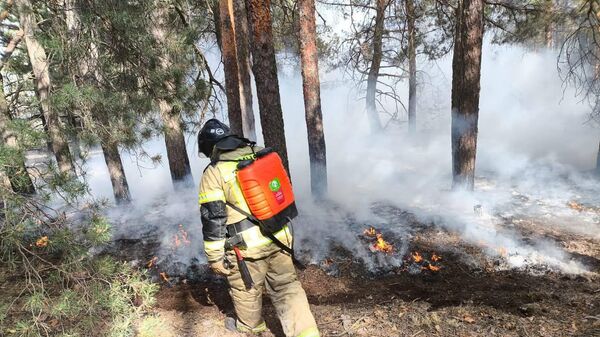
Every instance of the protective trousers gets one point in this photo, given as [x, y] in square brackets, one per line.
[276, 273]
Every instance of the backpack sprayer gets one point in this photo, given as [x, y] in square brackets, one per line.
[267, 190]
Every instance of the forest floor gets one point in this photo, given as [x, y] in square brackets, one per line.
[470, 295]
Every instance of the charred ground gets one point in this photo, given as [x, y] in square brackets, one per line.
[472, 294]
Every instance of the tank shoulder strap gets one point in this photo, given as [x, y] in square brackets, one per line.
[284, 247]
[247, 141]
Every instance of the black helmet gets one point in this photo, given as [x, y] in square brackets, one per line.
[211, 133]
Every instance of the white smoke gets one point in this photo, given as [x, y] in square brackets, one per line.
[534, 148]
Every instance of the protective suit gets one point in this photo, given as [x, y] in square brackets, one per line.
[270, 267]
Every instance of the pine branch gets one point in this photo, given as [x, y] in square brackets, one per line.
[10, 48]
[513, 7]
[4, 14]
[199, 53]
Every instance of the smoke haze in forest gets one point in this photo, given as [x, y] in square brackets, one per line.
[535, 146]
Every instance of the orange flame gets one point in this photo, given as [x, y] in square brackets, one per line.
[181, 238]
[164, 276]
[417, 257]
[433, 268]
[382, 245]
[502, 251]
[370, 232]
[42, 242]
[575, 206]
[152, 262]
[435, 257]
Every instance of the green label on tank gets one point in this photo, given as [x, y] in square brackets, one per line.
[275, 185]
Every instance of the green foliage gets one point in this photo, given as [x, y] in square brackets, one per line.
[35, 302]
[153, 326]
[98, 232]
[77, 288]
[68, 289]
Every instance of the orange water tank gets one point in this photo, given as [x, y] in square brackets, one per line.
[267, 189]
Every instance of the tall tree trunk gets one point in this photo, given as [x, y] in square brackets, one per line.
[87, 71]
[466, 73]
[243, 55]
[264, 67]
[39, 63]
[179, 162]
[73, 29]
[230, 66]
[307, 39]
[371, 99]
[15, 172]
[116, 172]
[412, 65]
[214, 9]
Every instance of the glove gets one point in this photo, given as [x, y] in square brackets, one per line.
[219, 268]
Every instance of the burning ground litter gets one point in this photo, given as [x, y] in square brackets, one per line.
[466, 297]
[395, 272]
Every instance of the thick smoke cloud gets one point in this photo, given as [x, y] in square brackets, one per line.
[535, 147]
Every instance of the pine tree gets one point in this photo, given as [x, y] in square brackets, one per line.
[412, 64]
[15, 171]
[307, 38]
[242, 33]
[466, 73]
[177, 155]
[373, 77]
[230, 65]
[264, 67]
[41, 72]
[87, 74]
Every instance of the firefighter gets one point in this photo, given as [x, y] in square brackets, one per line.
[270, 267]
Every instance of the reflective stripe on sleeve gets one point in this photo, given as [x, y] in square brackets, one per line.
[214, 245]
[211, 196]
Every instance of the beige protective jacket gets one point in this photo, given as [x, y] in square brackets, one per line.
[218, 186]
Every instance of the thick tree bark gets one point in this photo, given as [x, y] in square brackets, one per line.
[230, 66]
[214, 9]
[371, 99]
[39, 63]
[116, 172]
[307, 39]
[466, 73]
[243, 55]
[412, 65]
[16, 172]
[264, 67]
[179, 162]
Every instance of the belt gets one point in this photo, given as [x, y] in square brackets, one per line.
[238, 227]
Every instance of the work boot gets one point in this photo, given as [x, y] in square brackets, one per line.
[230, 324]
